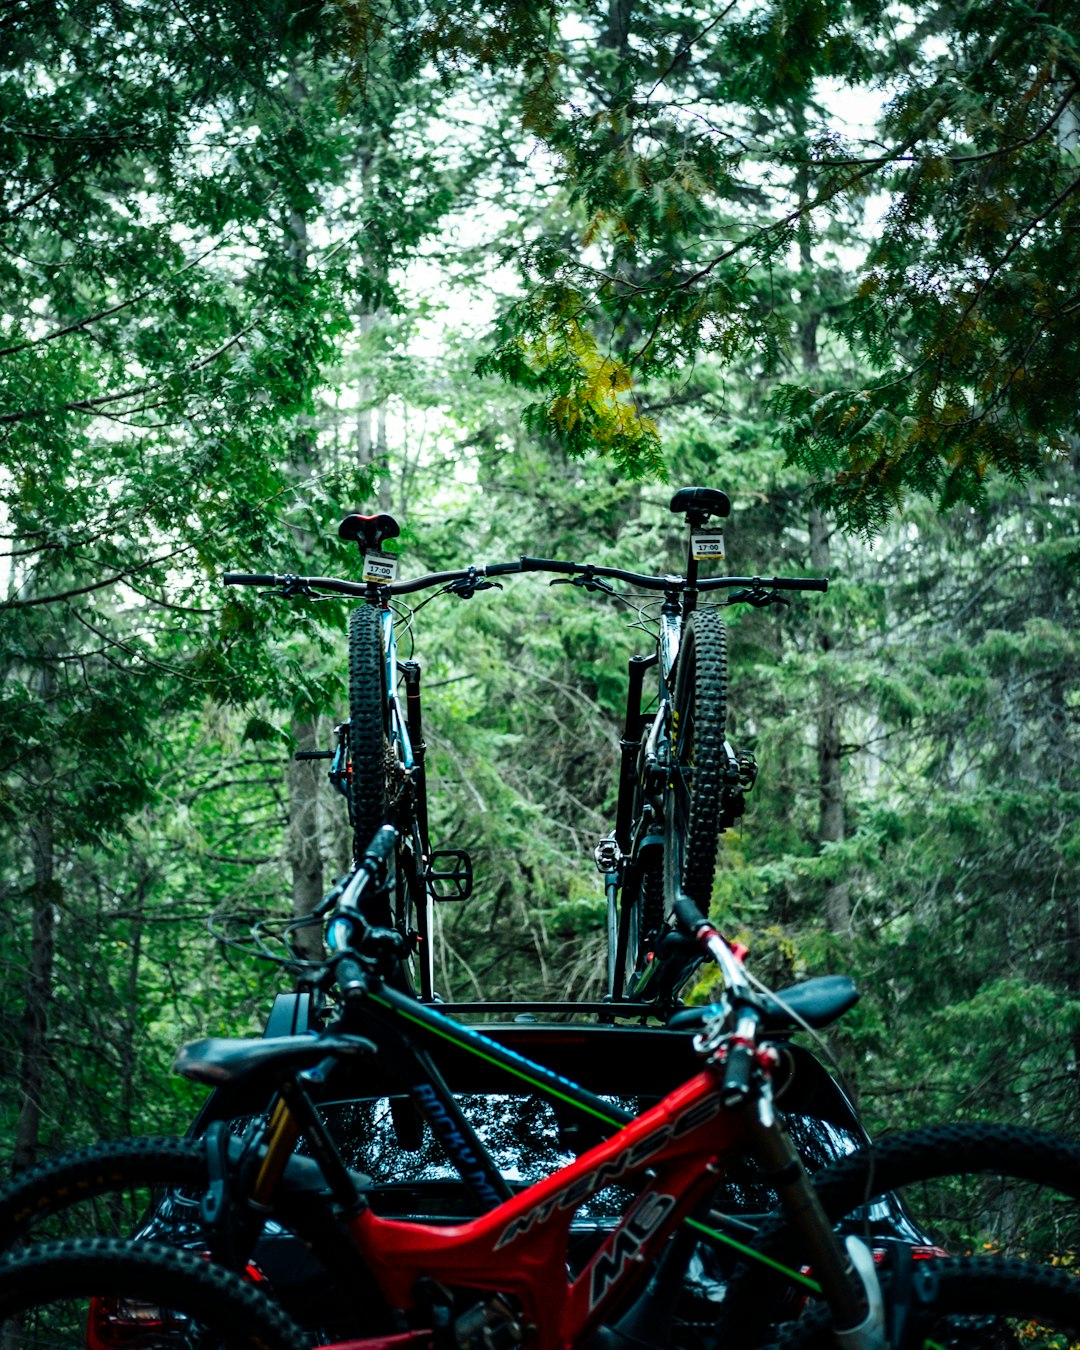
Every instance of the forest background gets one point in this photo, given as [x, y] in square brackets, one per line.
[502, 268]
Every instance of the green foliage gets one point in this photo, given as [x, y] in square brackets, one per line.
[214, 346]
[702, 161]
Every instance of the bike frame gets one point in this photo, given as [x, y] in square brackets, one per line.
[644, 752]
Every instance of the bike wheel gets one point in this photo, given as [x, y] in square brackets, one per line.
[369, 745]
[695, 799]
[966, 1304]
[103, 1293]
[960, 1188]
[1003, 1188]
[153, 1187]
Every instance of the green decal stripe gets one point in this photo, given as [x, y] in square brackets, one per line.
[796, 1276]
[490, 1059]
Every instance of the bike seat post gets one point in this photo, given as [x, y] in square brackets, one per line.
[690, 595]
[698, 505]
[695, 520]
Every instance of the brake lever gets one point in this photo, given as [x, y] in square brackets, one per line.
[757, 596]
[466, 587]
[291, 587]
[590, 583]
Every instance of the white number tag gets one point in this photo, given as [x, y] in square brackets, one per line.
[380, 567]
[707, 544]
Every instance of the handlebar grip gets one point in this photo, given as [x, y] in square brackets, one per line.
[688, 916]
[349, 974]
[380, 848]
[250, 579]
[794, 583]
[738, 1068]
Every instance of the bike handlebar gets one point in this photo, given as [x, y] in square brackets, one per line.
[338, 586]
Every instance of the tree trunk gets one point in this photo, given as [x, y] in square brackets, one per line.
[128, 1054]
[830, 781]
[33, 1065]
[307, 782]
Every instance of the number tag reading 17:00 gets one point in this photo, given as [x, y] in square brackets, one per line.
[707, 544]
[379, 567]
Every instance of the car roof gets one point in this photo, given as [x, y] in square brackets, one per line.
[607, 1059]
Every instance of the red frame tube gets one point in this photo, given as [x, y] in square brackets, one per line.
[520, 1248]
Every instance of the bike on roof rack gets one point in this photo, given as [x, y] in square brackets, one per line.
[681, 782]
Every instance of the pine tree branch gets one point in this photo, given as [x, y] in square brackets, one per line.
[996, 153]
[96, 585]
[687, 45]
[92, 404]
[20, 207]
[135, 655]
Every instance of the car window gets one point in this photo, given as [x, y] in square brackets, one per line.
[528, 1139]
[524, 1135]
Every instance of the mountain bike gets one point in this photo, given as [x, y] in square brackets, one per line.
[681, 783]
[500, 1273]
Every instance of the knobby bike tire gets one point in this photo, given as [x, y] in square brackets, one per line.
[66, 1195]
[696, 797]
[946, 1294]
[369, 747]
[372, 790]
[912, 1157]
[43, 1294]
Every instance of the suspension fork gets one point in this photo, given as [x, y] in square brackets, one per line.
[843, 1269]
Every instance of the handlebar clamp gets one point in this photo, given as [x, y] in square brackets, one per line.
[466, 587]
[292, 586]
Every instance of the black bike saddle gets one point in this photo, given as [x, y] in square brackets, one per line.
[369, 531]
[817, 1003]
[701, 502]
[224, 1059]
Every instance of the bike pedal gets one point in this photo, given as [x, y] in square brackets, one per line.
[457, 877]
[748, 769]
[606, 854]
